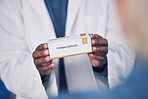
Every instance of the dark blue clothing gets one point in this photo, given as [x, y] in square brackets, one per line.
[58, 12]
[4, 93]
[136, 87]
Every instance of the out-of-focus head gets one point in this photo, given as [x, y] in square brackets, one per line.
[133, 15]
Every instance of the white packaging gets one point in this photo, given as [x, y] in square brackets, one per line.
[69, 46]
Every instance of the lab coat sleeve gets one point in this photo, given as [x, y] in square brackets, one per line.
[120, 56]
[17, 69]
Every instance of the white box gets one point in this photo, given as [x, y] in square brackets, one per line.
[69, 46]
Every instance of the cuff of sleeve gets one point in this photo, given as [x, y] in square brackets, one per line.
[104, 73]
[45, 80]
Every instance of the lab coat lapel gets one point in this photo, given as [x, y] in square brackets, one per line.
[40, 27]
[73, 8]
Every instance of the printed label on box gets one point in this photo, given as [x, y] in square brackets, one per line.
[70, 46]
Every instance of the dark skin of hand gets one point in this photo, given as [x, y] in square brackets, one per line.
[97, 57]
[42, 60]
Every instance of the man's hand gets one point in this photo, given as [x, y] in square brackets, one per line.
[98, 57]
[42, 60]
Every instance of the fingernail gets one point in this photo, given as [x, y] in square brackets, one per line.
[93, 41]
[91, 55]
[47, 58]
[94, 48]
[98, 49]
[46, 52]
[45, 45]
[52, 65]
[91, 35]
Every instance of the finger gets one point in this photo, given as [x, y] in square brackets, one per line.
[99, 42]
[40, 53]
[98, 58]
[95, 36]
[45, 63]
[103, 54]
[95, 62]
[99, 54]
[42, 46]
[100, 50]
[42, 60]
[46, 70]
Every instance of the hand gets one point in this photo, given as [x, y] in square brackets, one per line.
[42, 60]
[99, 51]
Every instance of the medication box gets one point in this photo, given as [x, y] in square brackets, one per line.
[69, 46]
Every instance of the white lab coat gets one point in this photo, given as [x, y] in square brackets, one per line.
[24, 24]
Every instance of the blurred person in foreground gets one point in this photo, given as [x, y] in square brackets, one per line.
[133, 17]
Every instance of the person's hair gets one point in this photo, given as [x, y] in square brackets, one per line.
[137, 25]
